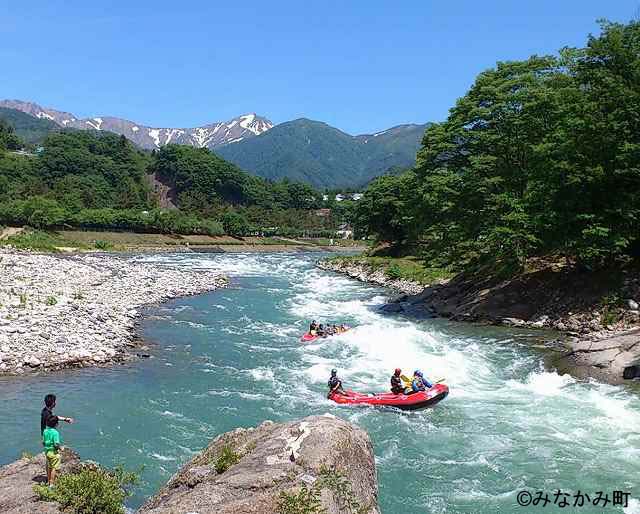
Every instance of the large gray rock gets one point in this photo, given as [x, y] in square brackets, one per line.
[276, 459]
[611, 358]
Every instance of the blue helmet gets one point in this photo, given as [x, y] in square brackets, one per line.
[417, 373]
[334, 371]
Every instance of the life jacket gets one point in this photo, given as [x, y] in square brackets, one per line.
[396, 384]
[418, 384]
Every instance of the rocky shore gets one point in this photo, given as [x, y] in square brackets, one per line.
[367, 274]
[596, 312]
[80, 310]
[316, 464]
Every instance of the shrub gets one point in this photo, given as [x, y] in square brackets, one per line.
[305, 501]
[394, 272]
[227, 458]
[90, 491]
[103, 245]
[51, 300]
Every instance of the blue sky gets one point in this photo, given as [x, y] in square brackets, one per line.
[361, 66]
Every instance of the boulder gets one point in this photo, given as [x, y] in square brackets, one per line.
[616, 357]
[326, 456]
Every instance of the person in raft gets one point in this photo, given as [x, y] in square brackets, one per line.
[420, 382]
[313, 328]
[334, 384]
[397, 387]
[321, 331]
[52, 446]
[47, 411]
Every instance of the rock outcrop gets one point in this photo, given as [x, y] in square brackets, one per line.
[614, 358]
[18, 478]
[63, 311]
[260, 470]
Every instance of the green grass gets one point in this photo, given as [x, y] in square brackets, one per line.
[35, 240]
[401, 268]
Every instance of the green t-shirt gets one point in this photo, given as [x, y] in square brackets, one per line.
[50, 438]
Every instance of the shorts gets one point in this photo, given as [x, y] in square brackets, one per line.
[53, 460]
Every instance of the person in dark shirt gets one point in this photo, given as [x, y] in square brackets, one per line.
[397, 387]
[334, 384]
[49, 405]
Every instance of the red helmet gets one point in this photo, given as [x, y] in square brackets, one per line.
[397, 371]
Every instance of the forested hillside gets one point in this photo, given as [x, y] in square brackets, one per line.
[30, 129]
[101, 180]
[323, 156]
[540, 157]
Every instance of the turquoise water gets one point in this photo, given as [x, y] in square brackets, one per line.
[232, 358]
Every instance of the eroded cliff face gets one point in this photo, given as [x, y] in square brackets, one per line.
[320, 462]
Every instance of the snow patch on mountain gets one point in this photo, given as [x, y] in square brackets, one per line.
[155, 135]
[208, 136]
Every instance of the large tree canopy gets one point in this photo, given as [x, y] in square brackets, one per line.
[540, 156]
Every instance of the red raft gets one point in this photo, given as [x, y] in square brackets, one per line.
[309, 337]
[415, 401]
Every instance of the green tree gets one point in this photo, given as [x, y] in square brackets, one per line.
[235, 224]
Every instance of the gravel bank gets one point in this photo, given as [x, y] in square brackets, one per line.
[69, 311]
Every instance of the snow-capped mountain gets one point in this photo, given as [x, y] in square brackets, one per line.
[209, 136]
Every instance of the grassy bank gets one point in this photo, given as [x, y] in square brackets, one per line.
[66, 240]
[400, 268]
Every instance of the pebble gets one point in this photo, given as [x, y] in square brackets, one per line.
[98, 301]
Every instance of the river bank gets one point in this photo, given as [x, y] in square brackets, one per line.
[83, 241]
[597, 312]
[61, 311]
[319, 461]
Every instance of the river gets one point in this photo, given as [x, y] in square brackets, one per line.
[232, 358]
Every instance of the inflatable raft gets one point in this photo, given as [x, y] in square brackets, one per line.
[415, 401]
[309, 337]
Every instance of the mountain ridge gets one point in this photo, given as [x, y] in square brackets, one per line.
[304, 150]
[211, 135]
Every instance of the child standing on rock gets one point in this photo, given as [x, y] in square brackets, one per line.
[52, 446]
